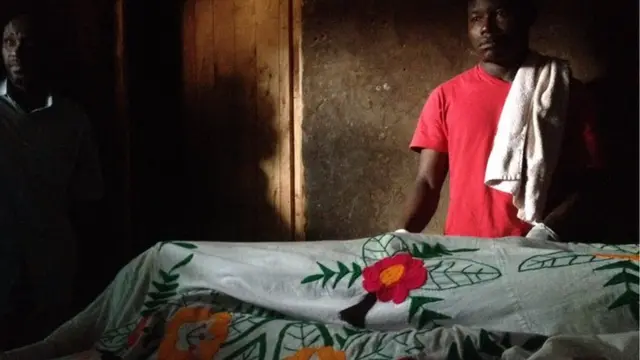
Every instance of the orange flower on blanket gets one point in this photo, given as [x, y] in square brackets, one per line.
[323, 353]
[194, 333]
[393, 277]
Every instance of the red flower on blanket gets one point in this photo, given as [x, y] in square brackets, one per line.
[138, 331]
[393, 277]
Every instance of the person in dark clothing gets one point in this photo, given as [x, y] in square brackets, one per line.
[47, 160]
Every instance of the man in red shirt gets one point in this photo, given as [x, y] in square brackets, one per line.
[459, 121]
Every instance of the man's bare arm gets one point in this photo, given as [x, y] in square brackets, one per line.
[423, 200]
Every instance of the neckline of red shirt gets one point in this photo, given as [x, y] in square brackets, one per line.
[485, 76]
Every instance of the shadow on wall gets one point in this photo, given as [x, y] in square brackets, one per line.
[228, 190]
[616, 96]
[197, 142]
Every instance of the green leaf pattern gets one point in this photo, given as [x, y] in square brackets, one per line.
[453, 273]
[418, 311]
[254, 350]
[380, 247]
[556, 260]
[341, 273]
[298, 335]
[166, 286]
[626, 277]
[428, 251]
[242, 326]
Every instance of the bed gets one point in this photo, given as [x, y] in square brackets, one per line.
[391, 296]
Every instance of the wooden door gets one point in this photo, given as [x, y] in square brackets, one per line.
[240, 92]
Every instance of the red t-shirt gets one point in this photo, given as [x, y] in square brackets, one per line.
[460, 118]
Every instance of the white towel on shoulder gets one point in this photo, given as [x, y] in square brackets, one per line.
[529, 135]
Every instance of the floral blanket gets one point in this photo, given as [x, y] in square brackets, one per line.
[388, 297]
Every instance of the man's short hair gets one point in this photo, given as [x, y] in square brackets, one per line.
[527, 5]
[526, 8]
[17, 8]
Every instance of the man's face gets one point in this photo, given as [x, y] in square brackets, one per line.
[20, 52]
[498, 29]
